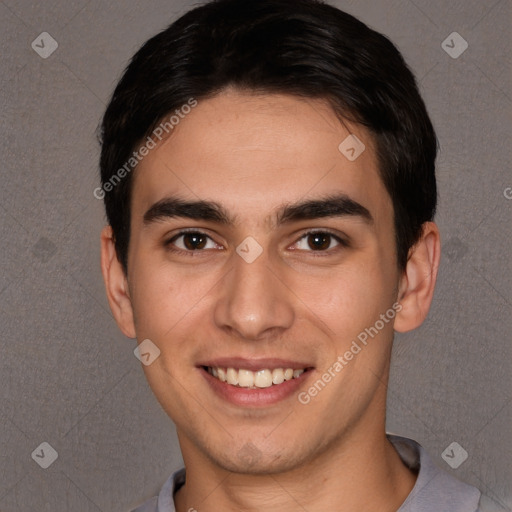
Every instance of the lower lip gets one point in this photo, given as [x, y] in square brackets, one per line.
[248, 397]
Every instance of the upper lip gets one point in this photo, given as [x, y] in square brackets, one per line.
[255, 364]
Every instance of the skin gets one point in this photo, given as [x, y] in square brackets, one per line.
[252, 154]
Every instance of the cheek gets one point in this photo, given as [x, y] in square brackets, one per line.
[346, 299]
[165, 297]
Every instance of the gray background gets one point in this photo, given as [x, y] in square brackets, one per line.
[69, 378]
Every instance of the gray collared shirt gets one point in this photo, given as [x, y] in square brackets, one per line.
[435, 490]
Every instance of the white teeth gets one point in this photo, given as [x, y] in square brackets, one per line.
[248, 379]
[222, 374]
[232, 376]
[245, 378]
[263, 379]
[278, 376]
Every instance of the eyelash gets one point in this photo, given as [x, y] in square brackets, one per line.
[169, 243]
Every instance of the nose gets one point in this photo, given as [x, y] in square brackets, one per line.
[254, 303]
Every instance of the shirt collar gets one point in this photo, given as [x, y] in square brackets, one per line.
[434, 489]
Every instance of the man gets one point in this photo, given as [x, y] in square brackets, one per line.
[268, 175]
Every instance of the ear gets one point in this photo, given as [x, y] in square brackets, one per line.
[417, 283]
[116, 284]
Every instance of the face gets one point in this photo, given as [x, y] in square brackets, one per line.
[257, 245]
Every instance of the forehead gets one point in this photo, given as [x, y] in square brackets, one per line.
[252, 152]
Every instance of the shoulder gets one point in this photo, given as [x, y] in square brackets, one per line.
[435, 489]
[164, 502]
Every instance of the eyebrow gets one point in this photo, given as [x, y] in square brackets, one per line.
[338, 205]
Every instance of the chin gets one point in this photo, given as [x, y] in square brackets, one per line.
[250, 460]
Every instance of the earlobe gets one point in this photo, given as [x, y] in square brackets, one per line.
[116, 284]
[416, 288]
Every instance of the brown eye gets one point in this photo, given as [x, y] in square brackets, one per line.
[319, 241]
[189, 241]
[193, 241]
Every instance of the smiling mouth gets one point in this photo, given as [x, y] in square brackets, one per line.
[264, 378]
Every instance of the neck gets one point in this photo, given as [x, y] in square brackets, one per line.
[360, 472]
